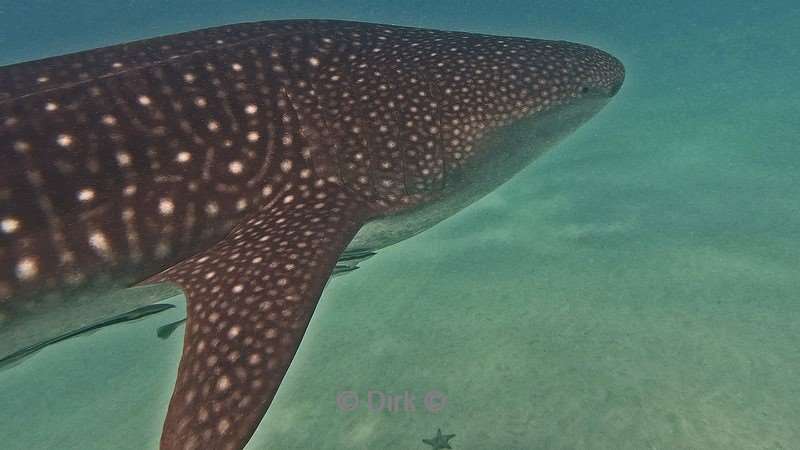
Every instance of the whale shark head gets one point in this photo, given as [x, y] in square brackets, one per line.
[449, 116]
[504, 101]
[419, 112]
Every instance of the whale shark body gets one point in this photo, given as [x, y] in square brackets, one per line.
[240, 163]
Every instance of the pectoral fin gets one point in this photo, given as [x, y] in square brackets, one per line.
[249, 301]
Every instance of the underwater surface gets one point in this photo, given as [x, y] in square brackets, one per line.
[635, 288]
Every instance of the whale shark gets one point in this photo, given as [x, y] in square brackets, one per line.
[243, 164]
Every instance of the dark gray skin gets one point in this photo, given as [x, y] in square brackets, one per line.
[240, 162]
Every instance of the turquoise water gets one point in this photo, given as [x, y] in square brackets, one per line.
[637, 288]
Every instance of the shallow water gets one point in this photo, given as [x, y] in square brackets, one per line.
[637, 288]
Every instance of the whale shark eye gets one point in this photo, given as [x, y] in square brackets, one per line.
[584, 89]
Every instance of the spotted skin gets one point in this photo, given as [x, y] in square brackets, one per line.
[239, 162]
